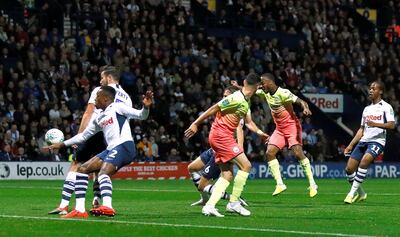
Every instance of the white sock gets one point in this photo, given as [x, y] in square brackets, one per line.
[358, 180]
[195, 178]
[80, 205]
[81, 185]
[209, 188]
[107, 201]
[106, 189]
[68, 189]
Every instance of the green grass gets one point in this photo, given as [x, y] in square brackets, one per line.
[162, 208]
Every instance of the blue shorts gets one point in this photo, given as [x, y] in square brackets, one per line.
[120, 155]
[373, 148]
[207, 155]
[211, 169]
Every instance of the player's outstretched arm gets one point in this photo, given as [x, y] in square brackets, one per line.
[130, 112]
[304, 105]
[54, 146]
[148, 99]
[194, 126]
[254, 128]
[90, 130]
[354, 141]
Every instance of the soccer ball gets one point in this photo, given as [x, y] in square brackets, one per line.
[53, 136]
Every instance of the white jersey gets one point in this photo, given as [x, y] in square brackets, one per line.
[381, 112]
[120, 95]
[114, 122]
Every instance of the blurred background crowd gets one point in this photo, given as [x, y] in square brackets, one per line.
[47, 71]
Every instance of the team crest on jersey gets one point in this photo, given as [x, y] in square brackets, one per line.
[225, 102]
[236, 149]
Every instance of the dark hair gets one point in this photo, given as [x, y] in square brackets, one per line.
[268, 76]
[231, 89]
[110, 71]
[381, 85]
[109, 91]
[253, 79]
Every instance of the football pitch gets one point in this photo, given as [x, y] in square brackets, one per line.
[162, 208]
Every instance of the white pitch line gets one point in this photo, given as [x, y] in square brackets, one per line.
[189, 191]
[190, 226]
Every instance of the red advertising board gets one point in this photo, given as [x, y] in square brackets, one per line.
[153, 170]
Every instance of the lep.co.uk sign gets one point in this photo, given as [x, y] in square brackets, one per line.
[329, 103]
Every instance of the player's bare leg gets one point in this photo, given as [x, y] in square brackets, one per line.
[194, 169]
[195, 165]
[359, 179]
[92, 165]
[305, 164]
[274, 168]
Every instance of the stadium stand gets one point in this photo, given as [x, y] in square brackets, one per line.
[49, 65]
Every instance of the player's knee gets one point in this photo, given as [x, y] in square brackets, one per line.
[82, 169]
[246, 166]
[190, 168]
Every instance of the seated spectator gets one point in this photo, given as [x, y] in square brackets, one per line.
[5, 154]
[21, 155]
[174, 155]
[145, 146]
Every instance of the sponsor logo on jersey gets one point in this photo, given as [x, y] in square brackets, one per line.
[106, 122]
[373, 117]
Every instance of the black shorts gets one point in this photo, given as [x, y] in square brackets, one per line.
[90, 148]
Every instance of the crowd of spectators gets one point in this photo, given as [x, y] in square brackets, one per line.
[46, 79]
